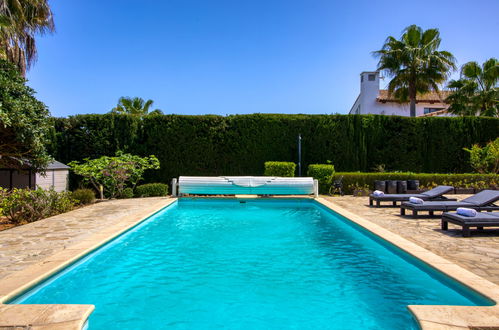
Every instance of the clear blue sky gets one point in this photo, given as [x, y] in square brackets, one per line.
[235, 56]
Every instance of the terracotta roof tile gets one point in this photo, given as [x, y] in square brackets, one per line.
[431, 97]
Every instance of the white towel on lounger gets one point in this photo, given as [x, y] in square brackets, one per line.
[466, 212]
[416, 200]
[378, 193]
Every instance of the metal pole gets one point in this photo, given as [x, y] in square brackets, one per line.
[174, 187]
[299, 154]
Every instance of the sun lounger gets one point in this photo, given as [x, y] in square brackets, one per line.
[434, 194]
[482, 201]
[481, 220]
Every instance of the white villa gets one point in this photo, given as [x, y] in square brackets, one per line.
[373, 100]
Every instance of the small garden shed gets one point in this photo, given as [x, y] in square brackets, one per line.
[56, 176]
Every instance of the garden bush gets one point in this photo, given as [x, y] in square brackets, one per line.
[324, 173]
[426, 180]
[84, 196]
[27, 205]
[286, 169]
[126, 193]
[486, 159]
[151, 190]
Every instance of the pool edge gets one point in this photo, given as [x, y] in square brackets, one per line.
[75, 316]
[436, 316]
[61, 316]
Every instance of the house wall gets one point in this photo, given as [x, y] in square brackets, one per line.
[369, 92]
[16, 179]
[355, 110]
[53, 178]
[5, 179]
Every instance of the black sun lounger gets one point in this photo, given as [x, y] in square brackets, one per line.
[482, 219]
[434, 194]
[483, 201]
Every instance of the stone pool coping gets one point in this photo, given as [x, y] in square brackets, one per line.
[61, 316]
[432, 317]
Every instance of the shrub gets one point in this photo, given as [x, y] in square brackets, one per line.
[26, 205]
[84, 196]
[350, 179]
[126, 193]
[151, 190]
[280, 169]
[324, 173]
[486, 159]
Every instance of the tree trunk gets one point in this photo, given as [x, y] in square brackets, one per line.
[413, 107]
[412, 98]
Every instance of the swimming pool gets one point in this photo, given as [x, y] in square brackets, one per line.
[256, 263]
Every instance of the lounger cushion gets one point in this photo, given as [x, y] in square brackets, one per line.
[438, 191]
[437, 205]
[397, 197]
[433, 193]
[481, 217]
[484, 197]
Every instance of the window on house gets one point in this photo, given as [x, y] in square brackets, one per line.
[371, 77]
[430, 110]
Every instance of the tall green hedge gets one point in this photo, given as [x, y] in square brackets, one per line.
[460, 180]
[241, 144]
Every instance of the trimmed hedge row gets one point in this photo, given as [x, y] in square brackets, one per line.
[241, 144]
[467, 180]
[286, 169]
[324, 174]
[151, 190]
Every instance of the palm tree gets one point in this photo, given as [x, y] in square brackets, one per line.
[20, 22]
[135, 106]
[415, 64]
[476, 92]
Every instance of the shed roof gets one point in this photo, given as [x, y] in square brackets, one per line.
[55, 165]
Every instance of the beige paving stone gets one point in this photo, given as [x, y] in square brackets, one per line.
[28, 244]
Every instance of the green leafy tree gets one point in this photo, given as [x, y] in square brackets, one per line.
[415, 64]
[476, 92]
[135, 106]
[20, 22]
[485, 159]
[24, 122]
[114, 174]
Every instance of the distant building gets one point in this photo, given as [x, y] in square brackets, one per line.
[373, 100]
[56, 176]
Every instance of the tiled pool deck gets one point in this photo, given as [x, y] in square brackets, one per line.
[43, 246]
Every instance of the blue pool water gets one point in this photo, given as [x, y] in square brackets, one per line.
[262, 264]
